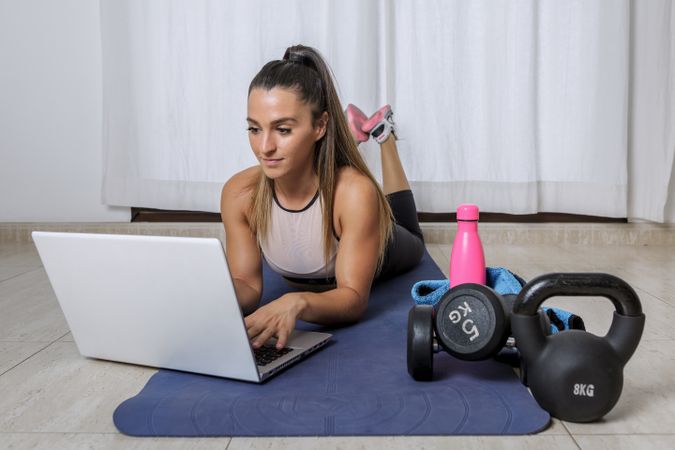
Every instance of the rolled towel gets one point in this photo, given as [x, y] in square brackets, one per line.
[503, 281]
[429, 292]
[563, 320]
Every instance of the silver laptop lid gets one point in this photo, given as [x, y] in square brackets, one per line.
[150, 300]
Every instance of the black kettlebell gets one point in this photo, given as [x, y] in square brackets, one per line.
[576, 375]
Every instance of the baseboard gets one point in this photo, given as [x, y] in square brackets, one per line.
[597, 234]
[434, 233]
[21, 232]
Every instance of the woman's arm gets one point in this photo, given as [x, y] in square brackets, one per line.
[241, 248]
[356, 223]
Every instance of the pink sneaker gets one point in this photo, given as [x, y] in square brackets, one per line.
[355, 118]
[381, 124]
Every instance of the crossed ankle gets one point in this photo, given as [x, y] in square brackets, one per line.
[355, 119]
[380, 126]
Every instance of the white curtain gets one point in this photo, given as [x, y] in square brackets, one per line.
[519, 106]
[652, 118]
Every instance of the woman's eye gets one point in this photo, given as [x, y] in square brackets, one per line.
[253, 130]
[284, 130]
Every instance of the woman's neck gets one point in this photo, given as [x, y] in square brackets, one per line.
[296, 193]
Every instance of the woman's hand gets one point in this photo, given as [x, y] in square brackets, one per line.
[275, 319]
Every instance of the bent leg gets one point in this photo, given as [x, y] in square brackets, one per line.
[406, 247]
[404, 251]
[394, 178]
[403, 207]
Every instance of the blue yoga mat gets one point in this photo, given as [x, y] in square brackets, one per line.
[357, 385]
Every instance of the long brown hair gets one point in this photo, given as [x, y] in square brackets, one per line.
[304, 71]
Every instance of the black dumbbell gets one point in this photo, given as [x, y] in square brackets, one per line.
[577, 376]
[421, 342]
[470, 322]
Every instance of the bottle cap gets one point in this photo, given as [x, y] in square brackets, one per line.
[467, 211]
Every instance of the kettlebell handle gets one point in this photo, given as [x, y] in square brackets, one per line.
[537, 290]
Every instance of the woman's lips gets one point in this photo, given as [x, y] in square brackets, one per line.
[271, 162]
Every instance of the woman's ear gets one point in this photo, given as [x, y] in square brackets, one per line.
[321, 126]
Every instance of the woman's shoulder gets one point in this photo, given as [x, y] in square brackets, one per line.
[356, 203]
[243, 180]
[347, 175]
[351, 184]
[240, 187]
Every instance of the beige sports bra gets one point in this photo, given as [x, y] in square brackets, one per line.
[293, 246]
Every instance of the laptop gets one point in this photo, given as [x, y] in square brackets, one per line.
[159, 301]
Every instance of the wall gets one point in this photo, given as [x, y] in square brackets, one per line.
[50, 113]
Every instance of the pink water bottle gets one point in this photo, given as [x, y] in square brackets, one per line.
[467, 261]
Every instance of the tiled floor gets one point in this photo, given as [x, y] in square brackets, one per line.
[50, 397]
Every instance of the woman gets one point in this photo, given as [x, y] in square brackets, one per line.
[311, 207]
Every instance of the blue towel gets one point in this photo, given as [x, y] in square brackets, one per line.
[503, 281]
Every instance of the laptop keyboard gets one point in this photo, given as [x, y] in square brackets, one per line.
[266, 354]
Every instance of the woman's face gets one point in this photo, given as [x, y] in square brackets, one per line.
[282, 133]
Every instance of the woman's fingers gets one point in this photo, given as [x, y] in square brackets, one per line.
[253, 327]
[260, 335]
[282, 338]
[263, 337]
[276, 319]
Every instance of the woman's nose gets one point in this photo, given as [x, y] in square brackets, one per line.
[267, 143]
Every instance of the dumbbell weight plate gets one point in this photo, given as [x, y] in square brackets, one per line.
[421, 342]
[471, 322]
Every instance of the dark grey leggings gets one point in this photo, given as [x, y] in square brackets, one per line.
[406, 247]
